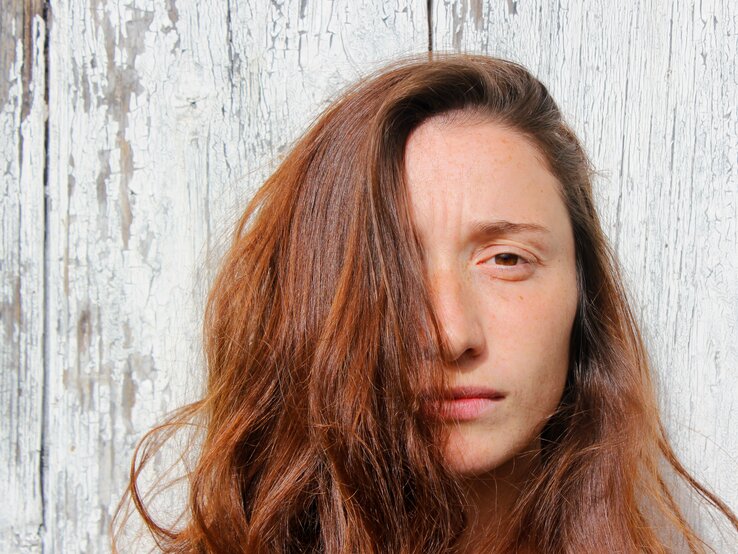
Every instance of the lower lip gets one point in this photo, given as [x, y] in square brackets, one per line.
[467, 409]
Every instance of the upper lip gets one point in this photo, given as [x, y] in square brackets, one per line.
[461, 393]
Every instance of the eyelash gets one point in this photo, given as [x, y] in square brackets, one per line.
[521, 260]
[520, 269]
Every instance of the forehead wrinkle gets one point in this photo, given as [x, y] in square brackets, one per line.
[445, 218]
[439, 181]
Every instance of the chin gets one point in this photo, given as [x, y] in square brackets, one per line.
[471, 465]
[471, 456]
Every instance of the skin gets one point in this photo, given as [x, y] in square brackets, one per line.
[505, 300]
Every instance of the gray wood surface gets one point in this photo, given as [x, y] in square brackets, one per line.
[163, 118]
[22, 275]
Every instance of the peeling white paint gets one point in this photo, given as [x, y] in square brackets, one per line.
[166, 117]
[22, 123]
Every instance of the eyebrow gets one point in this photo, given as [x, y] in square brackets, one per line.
[488, 229]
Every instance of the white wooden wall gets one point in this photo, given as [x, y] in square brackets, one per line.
[132, 133]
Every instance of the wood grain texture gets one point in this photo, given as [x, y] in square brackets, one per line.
[165, 116]
[652, 92]
[22, 163]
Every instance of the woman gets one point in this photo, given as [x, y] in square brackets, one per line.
[419, 342]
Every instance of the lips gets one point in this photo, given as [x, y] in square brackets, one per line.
[469, 403]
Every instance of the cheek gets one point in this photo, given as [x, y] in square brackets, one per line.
[528, 331]
[531, 331]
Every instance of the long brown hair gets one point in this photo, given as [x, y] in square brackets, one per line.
[318, 334]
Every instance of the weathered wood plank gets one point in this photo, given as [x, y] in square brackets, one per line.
[163, 119]
[22, 162]
[653, 93]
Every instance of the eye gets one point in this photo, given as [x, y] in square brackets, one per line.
[509, 266]
[507, 259]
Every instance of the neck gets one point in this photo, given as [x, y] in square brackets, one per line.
[491, 499]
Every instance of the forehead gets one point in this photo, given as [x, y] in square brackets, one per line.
[461, 172]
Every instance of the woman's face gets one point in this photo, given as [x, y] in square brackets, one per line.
[499, 252]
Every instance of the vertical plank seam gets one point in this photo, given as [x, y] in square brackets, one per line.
[45, 347]
[229, 40]
[429, 8]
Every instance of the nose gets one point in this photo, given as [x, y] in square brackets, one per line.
[459, 317]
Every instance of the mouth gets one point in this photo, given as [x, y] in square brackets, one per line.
[469, 403]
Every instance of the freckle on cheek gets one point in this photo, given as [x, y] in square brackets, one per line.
[520, 297]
